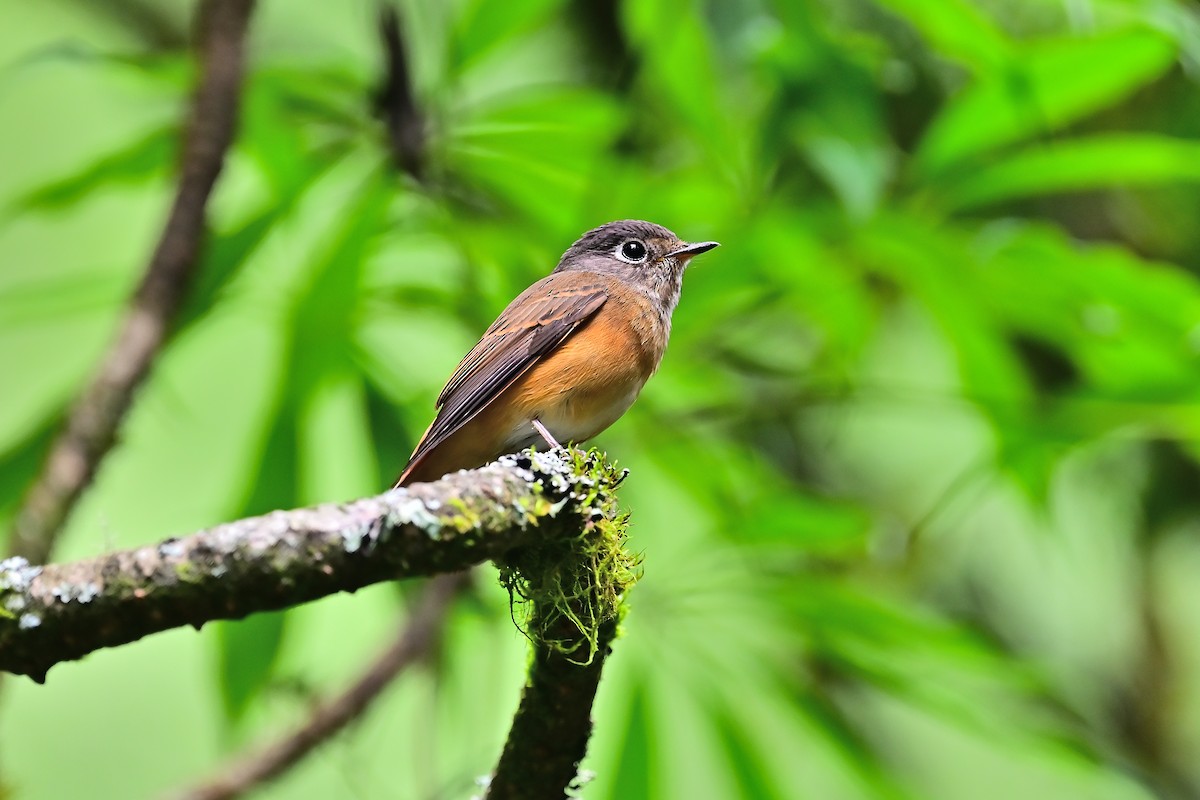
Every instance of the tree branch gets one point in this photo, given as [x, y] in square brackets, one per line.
[330, 717]
[91, 424]
[553, 724]
[576, 594]
[62, 612]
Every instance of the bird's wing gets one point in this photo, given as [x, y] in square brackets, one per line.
[535, 323]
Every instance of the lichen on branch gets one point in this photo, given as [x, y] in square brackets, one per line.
[61, 612]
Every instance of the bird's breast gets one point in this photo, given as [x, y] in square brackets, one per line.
[589, 381]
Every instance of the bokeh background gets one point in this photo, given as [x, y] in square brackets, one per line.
[917, 485]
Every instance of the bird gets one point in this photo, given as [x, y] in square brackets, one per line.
[567, 357]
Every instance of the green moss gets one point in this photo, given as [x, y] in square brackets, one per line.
[573, 588]
[186, 572]
[465, 519]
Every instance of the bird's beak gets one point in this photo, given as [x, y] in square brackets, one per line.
[686, 252]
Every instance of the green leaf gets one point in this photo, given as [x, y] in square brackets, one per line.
[336, 457]
[145, 158]
[1048, 85]
[885, 633]
[306, 91]
[485, 25]
[806, 522]
[635, 764]
[45, 300]
[854, 748]
[223, 257]
[744, 757]
[280, 138]
[685, 79]
[324, 313]
[956, 29]
[275, 477]
[930, 662]
[844, 137]
[941, 271]
[227, 253]
[1127, 324]
[172, 71]
[817, 287]
[394, 440]
[248, 651]
[553, 139]
[1031, 457]
[23, 459]
[856, 170]
[1106, 160]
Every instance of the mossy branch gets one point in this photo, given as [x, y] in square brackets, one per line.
[575, 589]
[61, 612]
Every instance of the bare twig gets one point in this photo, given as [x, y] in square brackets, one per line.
[62, 612]
[92, 422]
[328, 718]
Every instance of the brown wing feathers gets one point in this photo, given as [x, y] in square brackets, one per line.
[535, 323]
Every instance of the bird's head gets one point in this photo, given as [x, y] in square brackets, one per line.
[642, 254]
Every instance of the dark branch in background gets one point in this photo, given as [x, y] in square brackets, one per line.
[92, 422]
[395, 101]
[330, 717]
[62, 612]
[1140, 706]
[605, 47]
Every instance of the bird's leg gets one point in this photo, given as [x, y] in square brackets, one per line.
[550, 440]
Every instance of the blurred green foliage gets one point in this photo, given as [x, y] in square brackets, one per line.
[916, 487]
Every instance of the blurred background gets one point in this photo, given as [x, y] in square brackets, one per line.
[918, 483]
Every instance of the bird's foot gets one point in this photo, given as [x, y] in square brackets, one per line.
[550, 440]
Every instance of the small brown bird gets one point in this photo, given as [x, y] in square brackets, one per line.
[568, 357]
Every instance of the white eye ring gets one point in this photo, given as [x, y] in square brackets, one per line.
[632, 251]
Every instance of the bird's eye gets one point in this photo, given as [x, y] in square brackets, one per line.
[633, 251]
